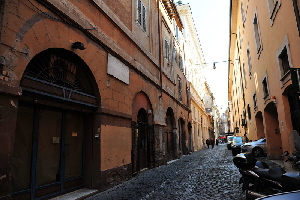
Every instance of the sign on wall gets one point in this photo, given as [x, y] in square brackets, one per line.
[117, 69]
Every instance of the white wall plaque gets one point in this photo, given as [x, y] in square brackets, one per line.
[117, 69]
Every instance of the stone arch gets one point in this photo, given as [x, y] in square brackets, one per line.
[59, 97]
[143, 142]
[62, 75]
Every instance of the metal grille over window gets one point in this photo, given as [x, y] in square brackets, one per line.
[59, 68]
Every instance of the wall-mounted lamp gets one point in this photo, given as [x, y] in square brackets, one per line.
[78, 45]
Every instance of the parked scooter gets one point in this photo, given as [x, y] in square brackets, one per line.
[258, 180]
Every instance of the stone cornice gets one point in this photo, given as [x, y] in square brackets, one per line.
[172, 12]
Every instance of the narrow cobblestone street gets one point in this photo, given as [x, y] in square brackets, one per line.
[205, 174]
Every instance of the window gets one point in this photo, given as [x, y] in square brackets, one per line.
[174, 54]
[265, 88]
[179, 89]
[284, 61]
[141, 11]
[244, 72]
[181, 63]
[249, 112]
[243, 13]
[296, 4]
[257, 34]
[249, 62]
[167, 51]
[254, 101]
[273, 7]
[177, 32]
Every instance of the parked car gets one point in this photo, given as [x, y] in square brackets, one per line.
[229, 141]
[258, 147]
[236, 145]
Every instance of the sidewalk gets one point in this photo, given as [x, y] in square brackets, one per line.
[77, 194]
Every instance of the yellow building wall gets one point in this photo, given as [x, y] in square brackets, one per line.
[115, 147]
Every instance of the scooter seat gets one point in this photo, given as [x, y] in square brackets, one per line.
[272, 173]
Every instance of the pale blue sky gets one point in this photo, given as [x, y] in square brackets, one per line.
[211, 18]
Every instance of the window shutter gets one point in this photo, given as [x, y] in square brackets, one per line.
[144, 18]
[140, 12]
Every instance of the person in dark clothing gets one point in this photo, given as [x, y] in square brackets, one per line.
[207, 143]
[217, 142]
[212, 142]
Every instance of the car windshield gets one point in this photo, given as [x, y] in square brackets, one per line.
[237, 140]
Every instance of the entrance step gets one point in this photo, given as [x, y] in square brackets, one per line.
[77, 194]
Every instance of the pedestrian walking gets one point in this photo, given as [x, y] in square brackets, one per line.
[207, 143]
[212, 143]
[217, 142]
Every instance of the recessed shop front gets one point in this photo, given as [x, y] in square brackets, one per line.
[53, 122]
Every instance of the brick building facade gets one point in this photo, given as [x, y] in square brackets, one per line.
[91, 93]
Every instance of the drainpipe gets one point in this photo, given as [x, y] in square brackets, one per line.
[159, 49]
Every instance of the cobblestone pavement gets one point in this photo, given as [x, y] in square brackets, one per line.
[205, 174]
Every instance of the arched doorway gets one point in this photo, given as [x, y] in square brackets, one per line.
[143, 151]
[190, 134]
[169, 135]
[58, 95]
[259, 125]
[143, 139]
[273, 134]
[182, 137]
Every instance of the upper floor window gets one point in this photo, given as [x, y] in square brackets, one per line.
[249, 62]
[296, 4]
[254, 101]
[141, 12]
[244, 74]
[177, 33]
[243, 13]
[273, 6]
[167, 50]
[179, 89]
[249, 112]
[181, 63]
[265, 88]
[257, 34]
[284, 61]
[174, 54]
